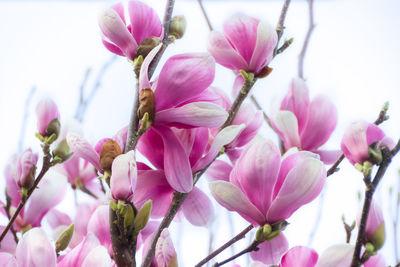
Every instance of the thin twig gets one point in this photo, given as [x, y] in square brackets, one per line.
[281, 24]
[318, 217]
[84, 102]
[133, 127]
[387, 156]
[252, 247]
[45, 167]
[311, 27]
[238, 237]
[210, 27]
[25, 119]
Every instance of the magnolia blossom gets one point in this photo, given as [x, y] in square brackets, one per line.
[263, 189]
[358, 137]
[246, 44]
[342, 255]
[123, 176]
[123, 40]
[306, 124]
[375, 227]
[299, 256]
[165, 251]
[46, 111]
[26, 161]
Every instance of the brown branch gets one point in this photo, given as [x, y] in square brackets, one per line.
[307, 39]
[133, 127]
[253, 247]
[210, 27]
[281, 24]
[238, 237]
[45, 167]
[387, 156]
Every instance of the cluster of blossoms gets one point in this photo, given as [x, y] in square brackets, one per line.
[184, 125]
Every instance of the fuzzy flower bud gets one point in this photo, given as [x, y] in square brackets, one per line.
[147, 45]
[26, 168]
[109, 151]
[123, 176]
[177, 27]
[375, 228]
[48, 117]
[147, 104]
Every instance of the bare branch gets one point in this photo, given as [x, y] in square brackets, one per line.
[307, 39]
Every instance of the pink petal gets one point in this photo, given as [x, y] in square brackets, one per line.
[123, 176]
[7, 260]
[199, 145]
[183, 77]
[8, 243]
[302, 184]
[233, 199]
[297, 101]
[328, 156]
[256, 172]
[197, 208]
[83, 214]
[151, 146]
[196, 114]
[220, 48]
[212, 95]
[375, 219]
[338, 255]
[376, 261]
[114, 28]
[219, 170]
[321, 121]
[46, 111]
[144, 21]
[374, 134]
[299, 256]
[35, 250]
[285, 123]
[264, 47]
[83, 149]
[354, 143]
[165, 251]
[176, 162]
[98, 257]
[76, 256]
[237, 85]
[241, 32]
[112, 48]
[119, 8]
[270, 252]
[144, 81]
[153, 185]
[224, 137]
[57, 218]
[51, 191]
[99, 225]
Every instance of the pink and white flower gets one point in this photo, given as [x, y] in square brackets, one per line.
[123, 176]
[46, 111]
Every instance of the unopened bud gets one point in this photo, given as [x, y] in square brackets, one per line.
[146, 46]
[62, 152]
[378, 237]
[147, 104]
[64, 239]
[177, 27]
[30, 178]
[53, 128]
[375, 154]
[142, 216]
[109, 152]
[264, 72]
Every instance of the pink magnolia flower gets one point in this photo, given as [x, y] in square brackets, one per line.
[304, 124]
[375, 227]
[123, 40]
[46, 111]
[358, 137]
[83, 214]
[342, 255]
[246, 44]
[183, 80]
[299, 256]
[7, 260]
[165, 252]
[26, 161]
[263, 189]
[123, 176]
[35, 250]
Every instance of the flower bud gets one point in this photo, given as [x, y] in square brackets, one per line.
[165, 251]
[375, 228]
[64, 239]
[177, 27]
[123, 176]
[147, 45]
[26, 168]
[147, 104]
[62, 152]
[109, 151]
[143, 216]
[48, 117]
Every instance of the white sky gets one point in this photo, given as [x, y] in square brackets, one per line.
[353, 57]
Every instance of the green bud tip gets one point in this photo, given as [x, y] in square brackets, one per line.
[64, 239]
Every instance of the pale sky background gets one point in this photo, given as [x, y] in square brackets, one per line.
[353, 57]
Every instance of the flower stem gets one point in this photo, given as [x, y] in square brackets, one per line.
[253, 247]
[238, 237]
[45, 167]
